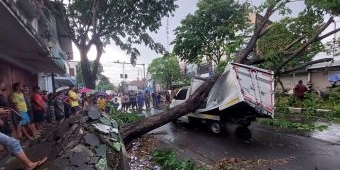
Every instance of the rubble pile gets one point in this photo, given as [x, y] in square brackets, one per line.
[89, 142]
[140, 154]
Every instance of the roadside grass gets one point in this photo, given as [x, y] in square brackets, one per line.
[167, 159]
[289, 125]
[124, 118]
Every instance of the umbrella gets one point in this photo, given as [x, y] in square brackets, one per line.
[62, 88]
[100, 93]
[85, 90]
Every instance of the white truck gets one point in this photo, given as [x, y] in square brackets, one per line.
[240, 95]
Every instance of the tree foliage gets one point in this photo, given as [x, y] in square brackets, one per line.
[276, 44]
[329, 6]
[103, 82]
[123, 22]
[165, 69]
[294, 40]
[213, 31]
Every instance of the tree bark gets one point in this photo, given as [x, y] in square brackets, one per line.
[242, 56]
[145, 125]
[89, 79]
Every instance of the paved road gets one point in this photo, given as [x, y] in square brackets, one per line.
[302, 153]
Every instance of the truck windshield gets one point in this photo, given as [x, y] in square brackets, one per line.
[181, 95]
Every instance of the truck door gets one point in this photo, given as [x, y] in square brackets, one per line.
[257, 88]
[180, 97]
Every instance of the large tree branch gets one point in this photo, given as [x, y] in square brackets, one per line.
[304, 65]
[263, 32]
[242, 56]
[94, 24]
[255, 61]
[305, 45]
[294, 42]
[99, 48]
[328, 34]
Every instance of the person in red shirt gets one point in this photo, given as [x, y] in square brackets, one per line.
[39, 107]
[299, 90]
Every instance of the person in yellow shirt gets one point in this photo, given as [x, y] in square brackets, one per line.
[102, 103]
[73, 100]
[19, 103]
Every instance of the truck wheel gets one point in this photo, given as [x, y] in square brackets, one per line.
[217, 127]
[243, 133]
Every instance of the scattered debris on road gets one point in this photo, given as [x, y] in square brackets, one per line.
[140, 153]
[249, 164]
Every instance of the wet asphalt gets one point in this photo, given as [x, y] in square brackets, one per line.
[301, 151]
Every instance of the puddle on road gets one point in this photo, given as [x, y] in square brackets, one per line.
[331, 134]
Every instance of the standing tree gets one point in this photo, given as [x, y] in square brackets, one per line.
[213, 31]
[166, 70]
[125, 23]
[103, 82]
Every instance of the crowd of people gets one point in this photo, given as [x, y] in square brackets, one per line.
[25, 110]
[137, 101]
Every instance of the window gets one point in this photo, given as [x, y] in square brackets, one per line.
[181, 95]
[71, 70]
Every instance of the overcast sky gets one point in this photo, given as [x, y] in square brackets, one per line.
[113, 53]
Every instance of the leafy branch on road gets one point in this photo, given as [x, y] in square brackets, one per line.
[230, 163]
[125, 118]
[287, 124]
[168, 160]
[305, 121]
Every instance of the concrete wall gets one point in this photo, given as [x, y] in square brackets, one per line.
[289, 81]
[319, 77]
[12, 74]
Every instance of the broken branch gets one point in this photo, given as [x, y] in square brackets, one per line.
[305, 45]
[305, 65]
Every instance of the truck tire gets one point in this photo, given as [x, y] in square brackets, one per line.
[217, 127]
[243, 133]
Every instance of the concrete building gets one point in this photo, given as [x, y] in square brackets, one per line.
[316, 75]
[32, 42]
[60, 80]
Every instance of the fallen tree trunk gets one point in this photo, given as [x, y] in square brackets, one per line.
[145, 125]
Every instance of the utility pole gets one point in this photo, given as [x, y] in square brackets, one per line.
[123, 63]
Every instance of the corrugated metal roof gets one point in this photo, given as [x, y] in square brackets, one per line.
[334, 63]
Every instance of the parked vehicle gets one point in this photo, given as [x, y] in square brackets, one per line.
[240, 95]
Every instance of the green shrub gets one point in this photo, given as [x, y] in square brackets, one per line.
[334, 94]
[167, 159]
[123, 117]
[288, 125]
[336, 111]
